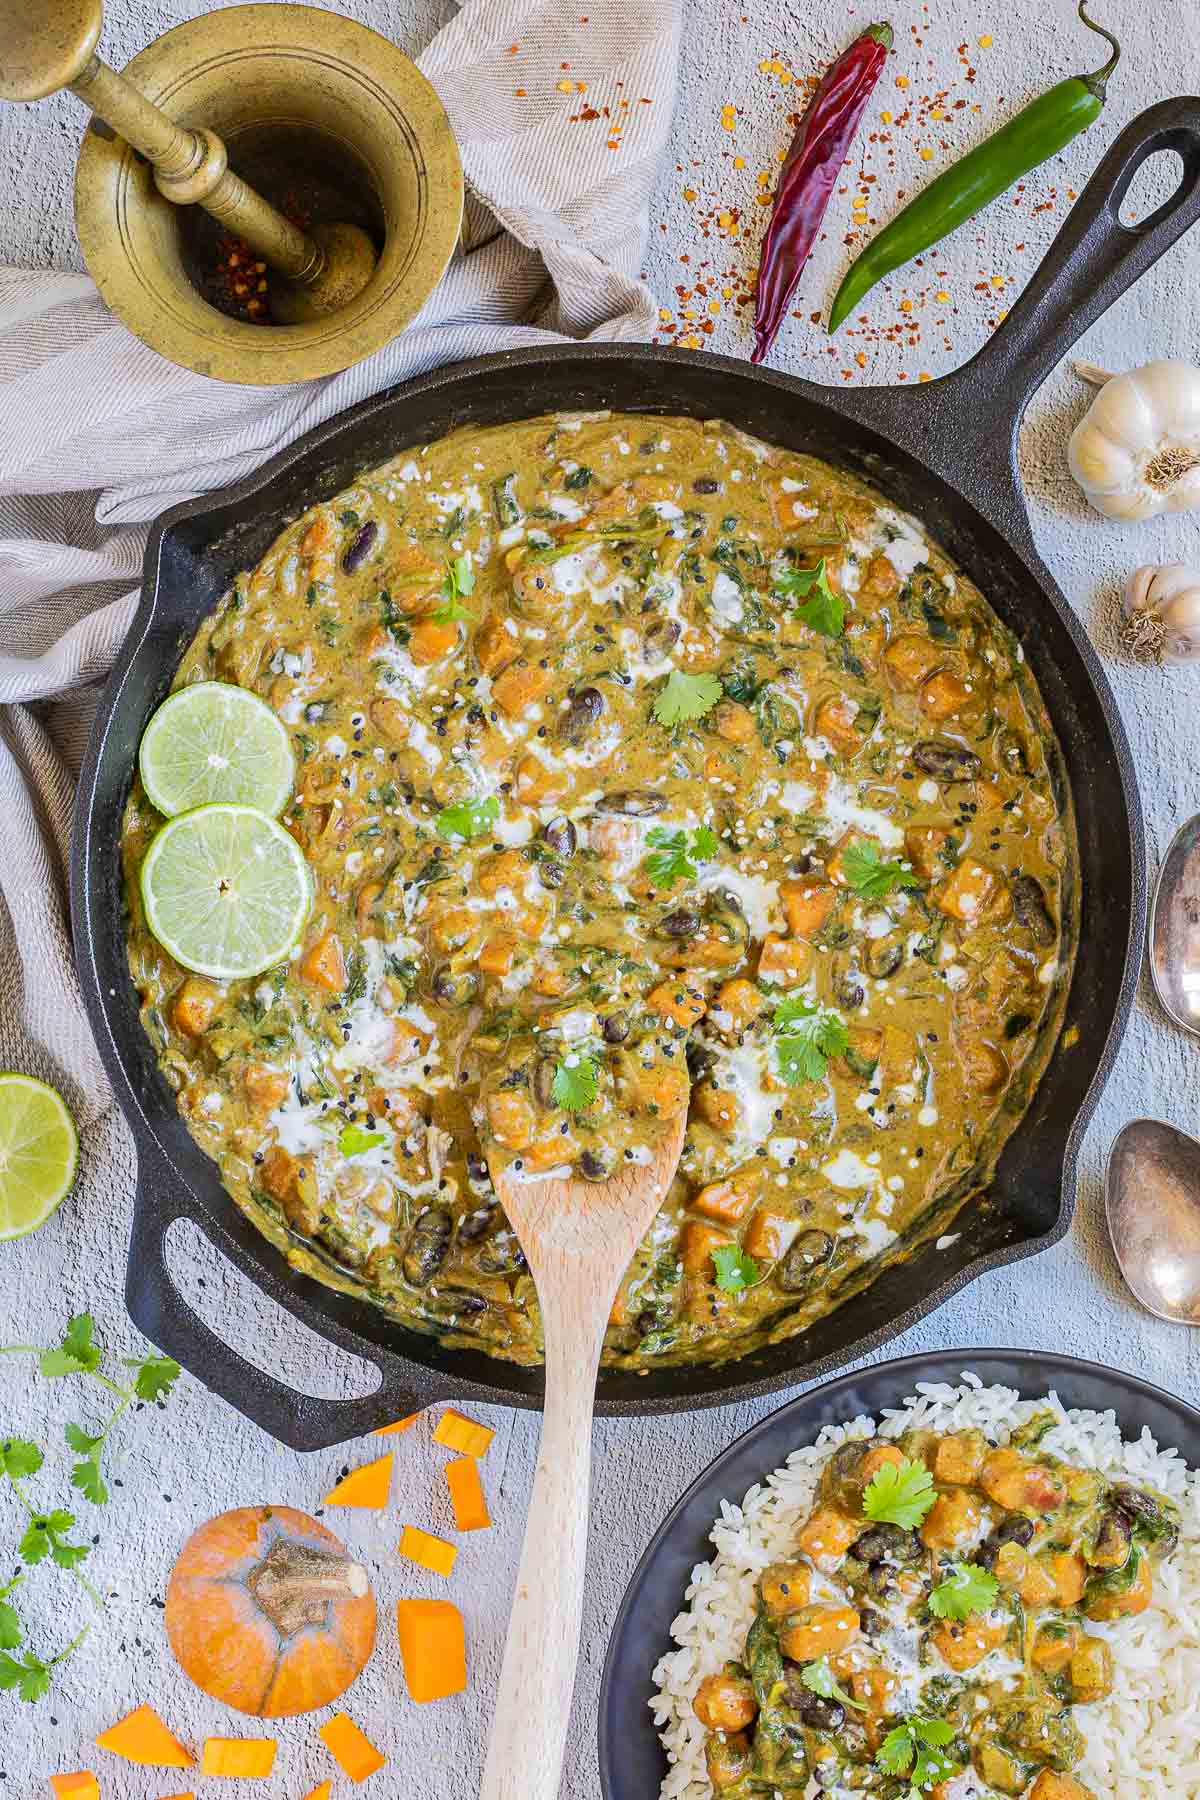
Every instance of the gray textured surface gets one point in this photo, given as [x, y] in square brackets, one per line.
[198, 1456]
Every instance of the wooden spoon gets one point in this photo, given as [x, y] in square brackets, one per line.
[578, 1238]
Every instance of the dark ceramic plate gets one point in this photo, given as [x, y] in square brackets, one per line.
[632, 1761]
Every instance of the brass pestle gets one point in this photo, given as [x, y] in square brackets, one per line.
[52, 46]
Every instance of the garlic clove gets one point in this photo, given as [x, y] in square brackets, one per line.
[1162, 608]
[1136, 452]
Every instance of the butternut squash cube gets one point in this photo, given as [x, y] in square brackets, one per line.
[953, 1521]
[496, 644]
[828, 1534]
[818, 1631]
[323, 965]
[784, 960]
[968, 892]
[195, 1005]
[141, 1737]
[350, 1747]
[365, 1486]
[466, 1495]
[510, 1118]
[433, 1648]
[962, 1644]
[910, 659]
[679, 1001]
[769, 1234]
[696, 1245]
[80, 1786]
[959, 1458]
[520, 686]
[429, 1552]
[1052, 1786]
[807, 901]
[741, 1000]
[943, 695]
[467, 1436]
[728, 1200]
[245, 1757]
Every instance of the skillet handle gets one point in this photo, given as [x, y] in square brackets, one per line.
[163, 1316]
[1090, 264]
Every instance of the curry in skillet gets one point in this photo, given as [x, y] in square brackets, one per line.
[641, 766]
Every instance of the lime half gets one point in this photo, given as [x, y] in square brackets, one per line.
[226, 891]
[214, 743]
[38, 1153]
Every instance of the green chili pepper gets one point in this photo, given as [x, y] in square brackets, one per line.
[1046, 126]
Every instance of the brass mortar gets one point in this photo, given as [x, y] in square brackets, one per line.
[299, 97]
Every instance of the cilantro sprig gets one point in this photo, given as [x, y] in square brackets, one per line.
[686, 697]
[871, 877]
[820, 608]
[469, 819]
[356, 1140]
[673, 855]
[458, 580]
[915, 1750]
[819, 1678]
[969, 1590]
[736, 1271]
[806, 1036]
[47, 1538]
[899, 1494]
[576, 1081]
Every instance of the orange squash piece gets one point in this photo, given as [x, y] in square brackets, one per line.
[322, 1791]
[397, 1426]
[141, 1737]
[80, 1786]
[433, 1648]
[432, 1553]
[459, 1433]
[267, 1612]
[466, 1495]
[350, 1747]
[247, 1757]
[367, 1486]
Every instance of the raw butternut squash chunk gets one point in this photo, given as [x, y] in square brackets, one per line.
[432, 1553]
[433, 1648]
[141, 1737]
[80, 1786]
[466, 1495]
[350, 1747]
[322, 1791]
[457, 1432]
[367, 1486]
[238, 1756]
[398, 1425]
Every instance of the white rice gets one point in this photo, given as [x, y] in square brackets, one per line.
[1142, 1742]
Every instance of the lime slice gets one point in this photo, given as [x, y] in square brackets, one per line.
[38, 1153]
[214, 743]
[226, 891]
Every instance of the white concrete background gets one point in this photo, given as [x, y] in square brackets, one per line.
[197, 1457]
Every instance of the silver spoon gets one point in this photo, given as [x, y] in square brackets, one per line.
[1152, 1183]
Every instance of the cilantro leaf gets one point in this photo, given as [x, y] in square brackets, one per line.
[899, 1494]
[19, 1457]
[30, 1677]
[671, 861]
[45, 1536]
[819, 1678]
[576, 1082]
[354, 1141]
[472, 818]
[822, 610]
[806, 1036]
[81, 1440]
[10, 1626]
[914, 1750]
[686, 697]
[76, 1354]
[458, 580]
[34, 1547]
[67, 1555]
[735, 1270]
[969, 1590]
[156, 1376]
[87, 1478]
[870, 876]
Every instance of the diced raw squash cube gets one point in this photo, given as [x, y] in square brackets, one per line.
[350, 1747]
[457, 1432]
[466, 1495]
[433, 1648]
[398, 1425]
[141, 1737]
[432, 1553]
[367, 1486]
[244, 1757]
[80, 1786]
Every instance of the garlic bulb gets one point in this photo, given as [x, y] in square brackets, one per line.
[1137, 450]
[1162, 613]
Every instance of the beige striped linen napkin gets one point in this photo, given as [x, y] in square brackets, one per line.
[98, 433]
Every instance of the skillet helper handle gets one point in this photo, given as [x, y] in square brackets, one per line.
[163, 1316]
[537, 1680]
[1094, 258]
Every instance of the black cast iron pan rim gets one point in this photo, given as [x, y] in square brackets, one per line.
[1092, 262]
[765, 1446]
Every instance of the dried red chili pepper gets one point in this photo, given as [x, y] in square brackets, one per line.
[814, 161]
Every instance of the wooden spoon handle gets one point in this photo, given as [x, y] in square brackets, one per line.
[533, 1706]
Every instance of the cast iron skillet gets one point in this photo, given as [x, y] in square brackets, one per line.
[947, 452]
[632, 1761]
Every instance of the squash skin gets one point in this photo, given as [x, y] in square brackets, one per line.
[232, 1648]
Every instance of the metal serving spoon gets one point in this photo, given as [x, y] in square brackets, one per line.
[1152, 1183]
[578, 1238]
